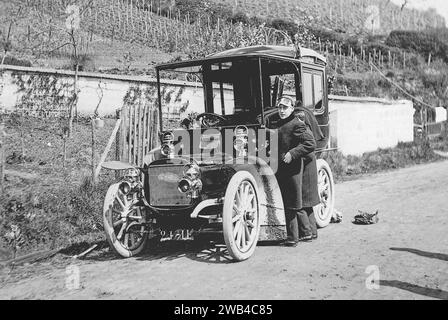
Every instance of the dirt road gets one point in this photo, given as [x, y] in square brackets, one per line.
[408, 249]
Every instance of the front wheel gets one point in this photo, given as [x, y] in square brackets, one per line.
[324, 210]
[241, 221]
[122, 220]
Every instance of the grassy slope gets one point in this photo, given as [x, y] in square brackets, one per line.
[103, 54]
[53, 205]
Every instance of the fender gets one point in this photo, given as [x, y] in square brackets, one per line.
[117, 165]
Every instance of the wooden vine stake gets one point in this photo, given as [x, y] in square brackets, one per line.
[93, 152]
[2, 157]
[113, 137]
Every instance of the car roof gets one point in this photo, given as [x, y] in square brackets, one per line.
[281, 52]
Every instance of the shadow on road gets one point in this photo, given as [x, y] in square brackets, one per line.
[207, 252]
[202, 251]
[440, 256]
[433, 293]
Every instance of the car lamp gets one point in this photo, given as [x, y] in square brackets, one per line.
[125, 188]
[241, 138]
[191, 182]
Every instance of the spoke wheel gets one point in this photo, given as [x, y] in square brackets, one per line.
[121, 219]
[324, 210]
[241, 222]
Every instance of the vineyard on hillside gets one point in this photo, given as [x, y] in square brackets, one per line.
[133, 21]
[379, 16]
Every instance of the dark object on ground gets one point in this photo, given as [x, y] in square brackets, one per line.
[337, 216]
[82, 255]
[366, 218]
[31, 258]
[18, 158]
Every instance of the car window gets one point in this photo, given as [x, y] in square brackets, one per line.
[318, 91]
[281, 84]
[223, 100]
[307, 91]
[312, 90]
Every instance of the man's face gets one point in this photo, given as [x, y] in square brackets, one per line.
[284, 111]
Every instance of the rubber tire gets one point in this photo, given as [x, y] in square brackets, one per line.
[232, 188]
[114, 244]
[322, 223]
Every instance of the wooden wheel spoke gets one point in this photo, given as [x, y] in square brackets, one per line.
[120, 234]
[116, 211]
[249, 200]
[250, 224]
[238, 198]
[126, 239]
[236, 218]
[117, 223]
[126, 201]
[133, 239]
[236, 229]
[246, 193]
[239, 234]
[243, 235]
[247, 232]
[120, 202]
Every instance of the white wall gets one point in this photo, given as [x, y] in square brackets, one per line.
[360, 125]
[440, 114]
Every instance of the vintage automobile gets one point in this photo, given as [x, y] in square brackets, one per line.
[214, 172]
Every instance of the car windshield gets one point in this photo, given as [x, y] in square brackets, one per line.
[230, 89]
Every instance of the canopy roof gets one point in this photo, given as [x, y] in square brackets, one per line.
[281, 52]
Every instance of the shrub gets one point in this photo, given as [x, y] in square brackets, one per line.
[329, 35]
[422, 42]
[54, 219]
[337, 162]
[195, 9]
[404, 154]
[17, 62]
[239, 17]
[203, 9]
[291, 28]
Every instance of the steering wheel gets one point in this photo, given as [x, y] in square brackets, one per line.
[210, 119]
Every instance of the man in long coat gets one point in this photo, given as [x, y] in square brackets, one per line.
[310, 192]
[295, 143]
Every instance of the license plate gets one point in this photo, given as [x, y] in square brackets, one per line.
[178, 235]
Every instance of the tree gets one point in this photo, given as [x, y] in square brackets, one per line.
[5, 39]
[71, 31]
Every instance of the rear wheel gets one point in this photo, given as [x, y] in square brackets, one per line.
[122, 221]
[241, 221]
[324, 210]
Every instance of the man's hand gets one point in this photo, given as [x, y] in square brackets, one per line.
[287, 158]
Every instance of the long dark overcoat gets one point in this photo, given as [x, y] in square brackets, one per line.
[295, 138]
[310, 191]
